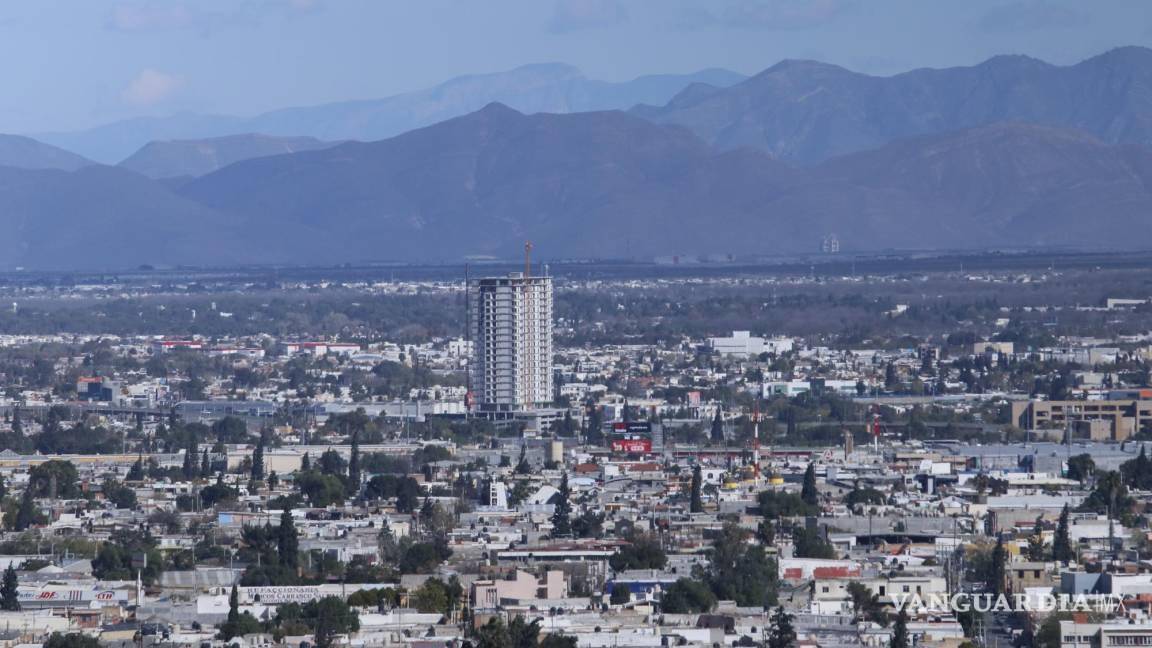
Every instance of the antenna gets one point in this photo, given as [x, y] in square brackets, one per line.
[527, 259]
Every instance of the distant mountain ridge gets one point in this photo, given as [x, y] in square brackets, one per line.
[26, 153]
[610, 185]
[1011, 153]
[552, 87]
[194, 158]
[588, 185]
[806, 112]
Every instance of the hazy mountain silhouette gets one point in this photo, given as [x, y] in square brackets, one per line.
[104, 217]
[27, 153]
[176, 158]
[805, 112]
[553, 87]
[596, 184]
[607, 184]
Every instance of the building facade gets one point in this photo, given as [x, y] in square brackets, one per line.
[511, 320]
[1098, 420]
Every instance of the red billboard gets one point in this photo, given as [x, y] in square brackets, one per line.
[632, 446]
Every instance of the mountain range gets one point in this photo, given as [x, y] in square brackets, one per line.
[193, 158]
[639, 183]
[550, 87]
[806, 112]
[599, 184]
[27, 153]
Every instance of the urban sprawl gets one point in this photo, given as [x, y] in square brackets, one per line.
[935, 459]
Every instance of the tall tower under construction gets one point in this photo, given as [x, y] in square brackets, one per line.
[511, 319]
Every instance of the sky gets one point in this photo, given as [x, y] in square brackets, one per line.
[71, 64]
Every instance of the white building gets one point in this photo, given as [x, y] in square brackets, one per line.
[511, 365]
[740, 343]
[743, 343]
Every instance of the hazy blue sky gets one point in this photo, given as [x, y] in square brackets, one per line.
[73, 63]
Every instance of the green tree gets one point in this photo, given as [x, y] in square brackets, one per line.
[136, 472]
[1036, 549]
[562, 515]
[324, 490]
[643, 552]
[71, 640]
[27, 514]
[620, 594]
[1061, 543]
[808, 491]
[191, 453]
[865, 604]
[354, 465]
[863, 496]
[432, 596]
[332, 617]
[119, 494]
[493, 634]
[778, 504]
[687, 596]
[996, 569]
[717, 433]
[9, 597]
[55, 478]
[809, 544]
[739, 571]
[900, 630]
[1081, 467]
[258, 460]
[555, 640]
[237, 624]
[782, 634]
[696, 501]
[288, 540]
[522, 465]
[1048, 634]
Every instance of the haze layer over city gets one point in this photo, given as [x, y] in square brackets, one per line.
[575, 323]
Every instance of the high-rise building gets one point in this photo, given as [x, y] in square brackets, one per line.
[511, 321]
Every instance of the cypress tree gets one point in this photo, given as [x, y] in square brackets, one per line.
[782, 634]
[718, 427]
[26, 514]
[900, 630]
[808, 491]
[996, 571]
[354, 465]
[233, 607]
[9, 599]
[258, 460]
[1061, 544]
[287, 540]
[136, 472]
[190, 457]
[562, 515]
[696, 503]
[305, 463]
[17, 422]
[205, 465]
